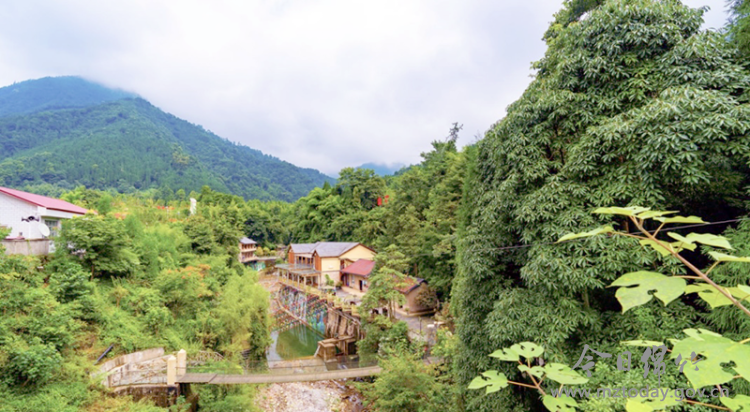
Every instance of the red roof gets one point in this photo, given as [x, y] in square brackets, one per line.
[43, 201]
[410, 283]
[361, 267]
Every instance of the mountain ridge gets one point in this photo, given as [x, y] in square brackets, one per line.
[128, 144]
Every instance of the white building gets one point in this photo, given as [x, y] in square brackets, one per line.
[32, 219]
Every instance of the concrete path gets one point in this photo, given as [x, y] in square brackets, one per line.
[220, 379]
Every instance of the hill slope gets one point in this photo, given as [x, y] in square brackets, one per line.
[129, 144]
[54, 93]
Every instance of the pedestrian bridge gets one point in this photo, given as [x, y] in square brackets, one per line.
[153, 367]
[230, 379]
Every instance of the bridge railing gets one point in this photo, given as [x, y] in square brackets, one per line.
[137, 377]
[281, 367]
[201, 357]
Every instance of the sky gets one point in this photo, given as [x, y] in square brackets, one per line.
[324, 84]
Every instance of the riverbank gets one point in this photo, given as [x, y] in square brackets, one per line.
[324, 396]
[321, 396]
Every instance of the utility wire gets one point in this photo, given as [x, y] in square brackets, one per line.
[524, 246]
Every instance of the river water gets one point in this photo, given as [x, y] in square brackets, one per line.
[297, 342]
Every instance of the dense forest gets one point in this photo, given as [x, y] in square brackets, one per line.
[128, 145]
[633, 106]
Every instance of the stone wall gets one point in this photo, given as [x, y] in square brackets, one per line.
[27, 247]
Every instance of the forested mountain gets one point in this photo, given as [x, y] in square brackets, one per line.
[128, 144]
[51, 93]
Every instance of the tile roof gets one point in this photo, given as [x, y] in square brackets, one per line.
[411, 283]
[43, 201]
[324, 249]
[361, 267]
[303, 247]
[331, 249]
[247, 241]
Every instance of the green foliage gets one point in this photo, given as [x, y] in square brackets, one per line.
[101, 243]
[382, 335]
[226, 398]
[738, 28]
[419, 215]
[407, 384]
[386, 282]
[715, 352]
[56, 321]
[242, 316]
[637, 287]
[722, 360]
[32, 365]
[68, 281]
[632, 105]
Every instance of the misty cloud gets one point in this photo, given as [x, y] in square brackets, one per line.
[322, 84]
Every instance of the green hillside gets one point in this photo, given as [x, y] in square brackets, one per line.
[129, 144]
[54, 93]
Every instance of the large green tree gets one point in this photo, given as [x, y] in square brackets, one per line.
[633, 104]
[101, 243]
[738, 28]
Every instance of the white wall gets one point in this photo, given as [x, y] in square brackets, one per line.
[11, 212]
[13, 209]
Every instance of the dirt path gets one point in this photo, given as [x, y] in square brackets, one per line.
[324, 396]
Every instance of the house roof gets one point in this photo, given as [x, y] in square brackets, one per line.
[303, 247]
[411, 284]
[361, 267]
[247, 241]
[324, 249]
[44, 201]
[331, 249]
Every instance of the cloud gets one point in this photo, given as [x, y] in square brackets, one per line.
[319, 83]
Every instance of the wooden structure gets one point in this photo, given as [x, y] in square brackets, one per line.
[317, 263]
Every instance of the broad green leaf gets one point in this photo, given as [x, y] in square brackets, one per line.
[680, 219]
[655, 213]
[710, 240]
[537, 371]
[633, 405]
[528, 349]
[624, 211]
[721, 257]
[641, 343]
[701, 333]
[638, 285]
[560, 404]
[679, 246]
[561, 373]
[506, 354]
[492, 380]
[738, 403]
[652, 402]
[657, 247]
[678, 237]
[722, 358]
[597, 231]
[708, 293]
[740, 292]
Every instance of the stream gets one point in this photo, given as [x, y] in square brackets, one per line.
[294, 343]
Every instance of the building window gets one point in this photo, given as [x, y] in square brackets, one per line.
[54, 227]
